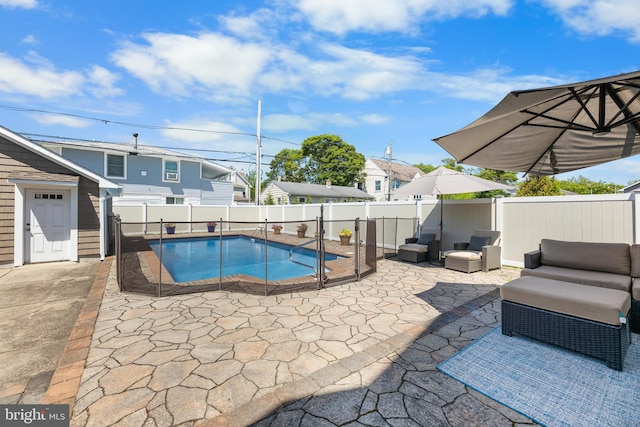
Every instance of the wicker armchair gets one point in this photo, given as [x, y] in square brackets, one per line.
[482, 252]
[423, 246]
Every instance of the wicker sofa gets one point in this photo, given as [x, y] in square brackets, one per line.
[606, 265]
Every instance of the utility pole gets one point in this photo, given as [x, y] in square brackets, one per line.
[390, 154]
[258, 155]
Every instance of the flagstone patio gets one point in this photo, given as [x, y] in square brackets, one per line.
[362, 353]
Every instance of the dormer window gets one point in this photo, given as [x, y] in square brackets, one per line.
[171, 171]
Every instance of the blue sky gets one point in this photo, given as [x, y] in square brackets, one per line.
[372, 72]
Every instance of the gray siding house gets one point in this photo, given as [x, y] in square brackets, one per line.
[152, 175]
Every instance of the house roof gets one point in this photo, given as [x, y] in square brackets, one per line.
[50, 155]
[398, 171]
[319, 190]
[210, 170]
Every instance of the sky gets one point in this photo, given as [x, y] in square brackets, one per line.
[191, 74]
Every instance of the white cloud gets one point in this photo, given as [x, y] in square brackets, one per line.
[599, 17]
[210, 65]
[487, 84]
[102, 82]
[30, 39]
[36, 76]
[41, 80]
[374, 119]
[340, 16]
[23, 4]
[214, 135]
[56, 119]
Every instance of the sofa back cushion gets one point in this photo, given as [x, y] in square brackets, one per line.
[606, 257]
[635, 261]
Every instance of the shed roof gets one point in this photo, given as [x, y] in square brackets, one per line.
[318, 190]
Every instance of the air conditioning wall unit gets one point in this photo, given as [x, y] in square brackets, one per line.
[171, 176]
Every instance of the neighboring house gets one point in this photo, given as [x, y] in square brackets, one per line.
[241, 189]
[152, 175]
[377, 178]
[284, 193]
[630, 188]
[52, 209]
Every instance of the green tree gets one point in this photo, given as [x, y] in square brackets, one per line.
[503, 177]
[450, 163]
[320, 158]
[329, 157]
[425, 168]
[288, 164]
[582, 185]
[539, 186]
[269, 200]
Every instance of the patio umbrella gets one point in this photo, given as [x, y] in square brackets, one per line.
[554, 129]
[448, 181]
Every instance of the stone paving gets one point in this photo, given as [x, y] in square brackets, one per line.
[362, 353]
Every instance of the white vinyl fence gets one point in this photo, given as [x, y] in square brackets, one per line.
[523, 221]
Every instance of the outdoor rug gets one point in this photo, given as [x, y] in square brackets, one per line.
[550, 385]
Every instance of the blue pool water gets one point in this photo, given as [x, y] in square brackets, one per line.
[199, 258]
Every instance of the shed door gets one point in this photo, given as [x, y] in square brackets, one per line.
[47, 225]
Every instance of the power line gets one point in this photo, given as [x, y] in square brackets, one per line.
[139, 125]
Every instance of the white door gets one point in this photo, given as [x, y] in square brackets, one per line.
[47, 225]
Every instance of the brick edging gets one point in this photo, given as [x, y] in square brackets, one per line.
[65, 382]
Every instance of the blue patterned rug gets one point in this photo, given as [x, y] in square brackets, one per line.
[550, 385]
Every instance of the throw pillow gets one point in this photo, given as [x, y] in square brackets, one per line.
[424, 239]
[476, 243]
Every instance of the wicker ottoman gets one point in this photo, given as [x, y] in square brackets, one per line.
[587, 319]
[413, 252]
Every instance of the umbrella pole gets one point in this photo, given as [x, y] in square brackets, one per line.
[441, 235]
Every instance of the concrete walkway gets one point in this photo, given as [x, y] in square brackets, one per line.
[39, 307]
[362, 353]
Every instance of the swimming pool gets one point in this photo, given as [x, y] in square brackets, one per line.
[189, 259]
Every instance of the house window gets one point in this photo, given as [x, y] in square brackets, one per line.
[48, 196]
[115, 166]
[171, 171]
[302, 199]
[396, 184]
[175, 200]
[330, 200]
[378, 185]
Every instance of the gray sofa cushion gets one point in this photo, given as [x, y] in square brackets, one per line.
[600, 279]
[604, 257]
[477, 242]
[426, 238]
[635, 260]
[586, 302]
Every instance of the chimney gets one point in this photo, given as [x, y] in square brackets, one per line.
[135, 141]
[328, 183]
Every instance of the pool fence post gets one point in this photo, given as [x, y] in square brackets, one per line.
[220, 263]
[266, 257]
[357, 228]
[323, 277]
[395, 239]
[383, 236]
[160, 266]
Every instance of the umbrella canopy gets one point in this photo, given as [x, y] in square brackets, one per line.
[554, 129]
[448, 181]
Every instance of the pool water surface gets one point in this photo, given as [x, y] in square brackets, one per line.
[191, 259]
